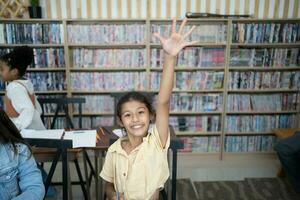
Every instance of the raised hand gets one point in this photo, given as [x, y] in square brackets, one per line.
[176, 42]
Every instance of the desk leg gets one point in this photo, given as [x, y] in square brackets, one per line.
[65, 174]
[85, 155]
[97, 172]
[174, 173]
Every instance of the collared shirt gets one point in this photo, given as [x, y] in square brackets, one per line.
[139, 174]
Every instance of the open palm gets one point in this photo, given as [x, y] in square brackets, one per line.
[176, 41]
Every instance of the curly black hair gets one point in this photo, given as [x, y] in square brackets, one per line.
[20, 58]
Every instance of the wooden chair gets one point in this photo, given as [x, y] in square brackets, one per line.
[282, 133]
[44, 155]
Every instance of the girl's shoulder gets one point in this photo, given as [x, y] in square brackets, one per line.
[25, 85]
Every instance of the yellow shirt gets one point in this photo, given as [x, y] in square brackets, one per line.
[139, 174]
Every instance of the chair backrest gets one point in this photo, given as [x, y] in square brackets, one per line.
[117, 96]
[62, 104]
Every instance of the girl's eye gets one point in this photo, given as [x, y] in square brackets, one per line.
[127, 115]
[141, 112]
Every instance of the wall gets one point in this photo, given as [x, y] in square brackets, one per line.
[166, 9]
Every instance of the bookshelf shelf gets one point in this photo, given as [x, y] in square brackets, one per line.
[46, 69]
[98, 92]
[196, 113]
[196, 133]
[266, 45]
[112, 69]
[211, 45]
[108, 46]
[250, 133]
[198, 91]
[51, 92]
[200, 44]
[33, 45]
[192, 69]
[262, 90]
[254, 153]
[243, 68]
[260, 112]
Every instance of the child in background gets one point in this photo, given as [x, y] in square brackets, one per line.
[20, 101]
[20, 179]
[136, 165]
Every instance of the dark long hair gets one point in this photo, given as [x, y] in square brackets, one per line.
[9, 134]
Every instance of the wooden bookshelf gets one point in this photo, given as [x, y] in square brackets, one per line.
[148, 45]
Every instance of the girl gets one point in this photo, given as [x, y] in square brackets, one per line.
[20, 102]
[136, 165]
[19, 176]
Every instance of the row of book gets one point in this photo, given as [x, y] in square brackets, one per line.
[199, 80]
[259, 143]
[51, 57]
[47, 81]
[109, 58]
[109, 81]
[106, 33]
[264, 80]
[191, 57]
[263, 102]
[265, 32]
[31, 33]
[187, 102]
[87, 122]
[196, 124]
[93, 122]
[191, 80]
[265, 57]
[259, 123]
[96, 104]
[201, 144]
[215, 33]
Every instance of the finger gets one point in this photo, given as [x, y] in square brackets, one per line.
[189, 32]
[182, 25]
[174, 25]
[159, 37]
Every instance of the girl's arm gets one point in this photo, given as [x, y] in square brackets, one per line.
[111, 192]
[171, 46]
[29, 176]
[22, 104]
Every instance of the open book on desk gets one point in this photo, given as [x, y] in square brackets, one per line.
[80, 138]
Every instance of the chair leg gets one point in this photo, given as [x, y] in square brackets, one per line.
[80, 179]
[164, 194]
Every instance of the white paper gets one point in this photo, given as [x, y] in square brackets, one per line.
[82, 138]
[42, 134]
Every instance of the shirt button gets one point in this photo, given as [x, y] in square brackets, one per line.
[7, 177]
[124, 174]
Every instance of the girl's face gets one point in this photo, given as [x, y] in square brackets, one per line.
[6, 73]
[135, 118]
